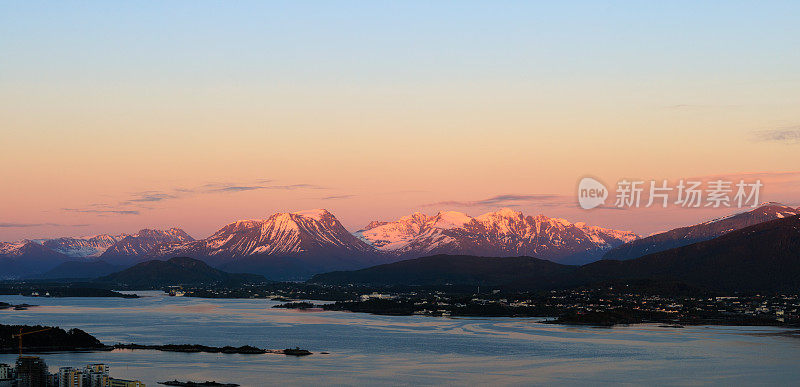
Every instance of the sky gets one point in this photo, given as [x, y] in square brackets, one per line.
[116, 116]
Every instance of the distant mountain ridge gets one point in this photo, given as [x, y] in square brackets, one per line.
[139, 246]
[496, 234]
[22, 259]
[761, 258]
[297, 245]
[83, 247]
[30, 258]
[684, 236]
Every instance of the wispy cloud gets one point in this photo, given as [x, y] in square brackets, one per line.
[225, 187]
[236, 188]
[336, 197]
[151, 196]
[138, 201]
[787, 135]
[508, 200]
[24, 225]
[102, 212]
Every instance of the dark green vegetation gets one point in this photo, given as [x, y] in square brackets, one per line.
[763, 257]
[156, 274]
[50, 340]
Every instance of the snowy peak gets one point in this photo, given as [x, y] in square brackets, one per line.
[73, 247]
[500, 233]
[282, 234]
[503, 213]
[83, 247]
[317, 214]
[390, 236]
[450, 219]
[144, 242]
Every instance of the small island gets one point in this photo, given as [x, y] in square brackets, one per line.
[297, 305]
[23, 306]
[48, 339]
[54, 339]
[192, 348]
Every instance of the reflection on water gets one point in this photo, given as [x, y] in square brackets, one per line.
[403, 349]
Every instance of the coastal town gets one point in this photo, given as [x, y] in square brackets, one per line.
[599, 305]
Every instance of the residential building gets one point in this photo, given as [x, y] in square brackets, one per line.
[95, 375]
[32, 372]
[6, 372]
[70, 377]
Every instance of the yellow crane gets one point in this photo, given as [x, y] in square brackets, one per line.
[20, 334]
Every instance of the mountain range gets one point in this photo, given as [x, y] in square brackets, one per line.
[297, 245]
[30, 258]
[760, 258]
[503, 233]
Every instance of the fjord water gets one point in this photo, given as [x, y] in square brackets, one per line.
[398, 350]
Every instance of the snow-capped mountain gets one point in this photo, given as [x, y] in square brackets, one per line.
[700, 232]
[282, 234]
[501, 233]
[139, 246]
[82, 247]
[282, 246]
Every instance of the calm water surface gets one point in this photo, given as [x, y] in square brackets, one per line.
[403, 350]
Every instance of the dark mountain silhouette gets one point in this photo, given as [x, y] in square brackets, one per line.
[700, 232]
[175, 271]
[763, 257]
[515, 272]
